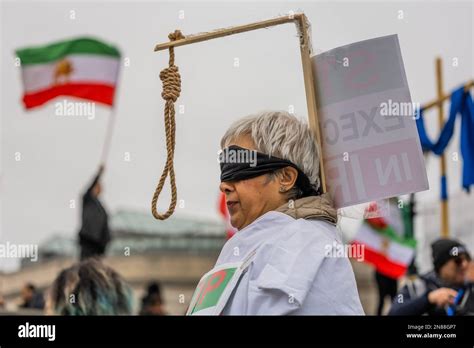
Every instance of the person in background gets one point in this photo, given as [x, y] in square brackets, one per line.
[89, 288]
[400, 220]
[94, 234]
[386, 286]
[152, 303]
[441, 290]
[31, 297]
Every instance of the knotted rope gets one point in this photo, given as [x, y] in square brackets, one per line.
[171, 90]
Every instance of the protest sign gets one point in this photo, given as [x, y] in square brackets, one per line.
[370, 142]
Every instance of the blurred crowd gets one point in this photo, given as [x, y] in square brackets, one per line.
[89, 288]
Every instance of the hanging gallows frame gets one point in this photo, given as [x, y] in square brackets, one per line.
[172, 88]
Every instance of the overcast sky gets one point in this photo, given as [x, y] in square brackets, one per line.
[60, 154]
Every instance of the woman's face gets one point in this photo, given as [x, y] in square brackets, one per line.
[251, 198]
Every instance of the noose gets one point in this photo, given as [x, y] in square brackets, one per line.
[171, 90]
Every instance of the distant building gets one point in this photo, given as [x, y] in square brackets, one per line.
[140, 233]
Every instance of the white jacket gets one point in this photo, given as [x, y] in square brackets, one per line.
[290, 272]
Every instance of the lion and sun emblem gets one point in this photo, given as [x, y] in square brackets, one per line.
[63, 71]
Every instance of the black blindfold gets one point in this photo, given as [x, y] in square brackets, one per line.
[238, 163]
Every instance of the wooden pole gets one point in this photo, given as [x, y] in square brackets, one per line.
[309, 76]
[305, 49]
[445, 97]
[444, 188]
[190, 39]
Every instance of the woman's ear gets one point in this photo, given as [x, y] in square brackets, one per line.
[287, 177]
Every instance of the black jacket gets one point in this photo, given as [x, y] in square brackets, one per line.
[413, 297]
[94, 234]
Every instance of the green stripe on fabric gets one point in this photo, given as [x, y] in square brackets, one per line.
[58, 50]
[390, 233]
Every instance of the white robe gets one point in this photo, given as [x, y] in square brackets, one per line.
[290, 272]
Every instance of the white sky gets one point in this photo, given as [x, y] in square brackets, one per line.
[60, 154]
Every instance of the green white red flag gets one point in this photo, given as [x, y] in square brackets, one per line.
[84, 68]
[386, 244]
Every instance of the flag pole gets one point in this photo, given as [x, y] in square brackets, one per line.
[108, 136]
[110, 125]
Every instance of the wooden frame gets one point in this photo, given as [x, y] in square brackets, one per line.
[303, 26]
[439, 102]
[445, 97]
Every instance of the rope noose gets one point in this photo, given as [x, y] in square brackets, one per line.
[171, 90]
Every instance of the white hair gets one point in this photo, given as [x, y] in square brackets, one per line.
[280, 134]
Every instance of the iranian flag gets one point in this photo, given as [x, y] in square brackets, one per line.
[386, 244]
[84, 68]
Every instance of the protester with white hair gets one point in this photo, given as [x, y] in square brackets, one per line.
[278, 261]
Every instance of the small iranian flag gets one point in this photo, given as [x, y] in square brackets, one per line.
[84, 68]
[387, 242]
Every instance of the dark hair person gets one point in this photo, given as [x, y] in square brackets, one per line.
[279, 262]
[89, 288]
[445, 290]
